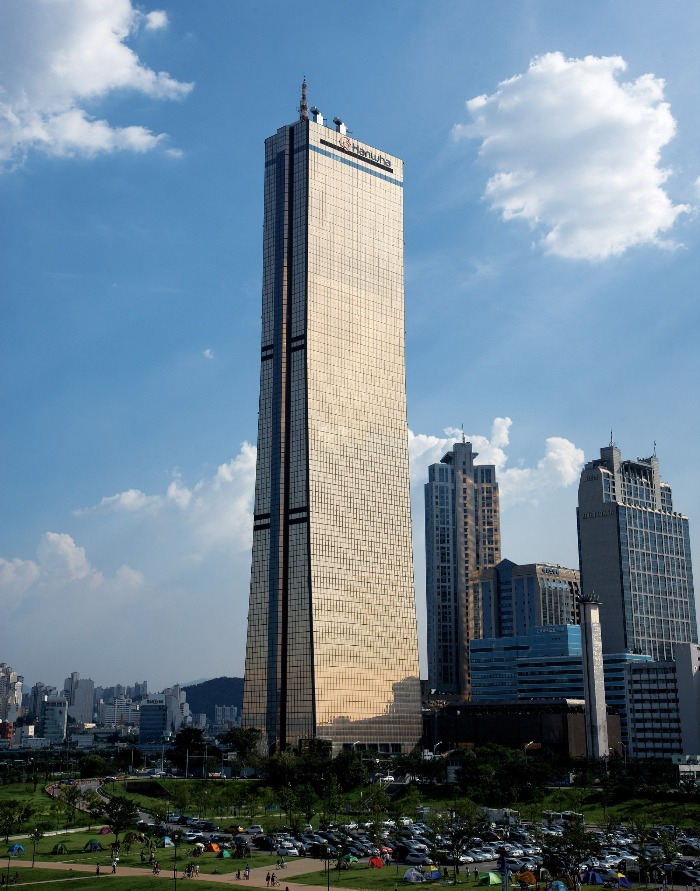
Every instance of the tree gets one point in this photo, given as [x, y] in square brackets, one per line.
[12, 814]
[120, 813]
[571, 851]
[465, 820]
[93, 805]
[243, 741]
[308, 801]
[349, 770]
[35, 836]
[189, 748]
[71, 796]
[331, 800]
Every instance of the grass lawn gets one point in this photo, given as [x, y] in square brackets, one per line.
[208, 862]
[61, 880]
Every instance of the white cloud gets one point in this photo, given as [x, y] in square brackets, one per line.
[58, 59]
[155, 568]
[156, 20]
[576, 152]
[558, 468]
[208, 354]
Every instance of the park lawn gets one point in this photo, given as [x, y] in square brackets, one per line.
[60, 880]
[208, 862]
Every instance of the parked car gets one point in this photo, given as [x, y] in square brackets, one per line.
[254, 829]
[416, 858]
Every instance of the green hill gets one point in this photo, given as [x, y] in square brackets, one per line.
[218, 691]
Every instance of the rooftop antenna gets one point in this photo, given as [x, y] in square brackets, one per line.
[464, 439]
[654, 448]
[612, 442]
[303, 105]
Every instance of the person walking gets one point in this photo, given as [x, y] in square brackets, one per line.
[97, 870]
[114, 866]
[267, 880]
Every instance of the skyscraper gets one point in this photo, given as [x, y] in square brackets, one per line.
[634, 551]
[332, 646]
[462, 536]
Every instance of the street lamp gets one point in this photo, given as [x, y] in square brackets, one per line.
[527, 746]
[436, 747]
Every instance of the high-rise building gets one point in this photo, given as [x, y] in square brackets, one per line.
[510, 599]
[462, 536]
[332, 645]
[634, 552]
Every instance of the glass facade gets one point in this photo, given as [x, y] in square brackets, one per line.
[332, 645]
[462, 536]
[635, 556]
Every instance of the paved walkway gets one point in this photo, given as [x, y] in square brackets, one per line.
[257, 876]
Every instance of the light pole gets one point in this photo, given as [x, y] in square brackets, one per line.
[436, 747]
[527, 746]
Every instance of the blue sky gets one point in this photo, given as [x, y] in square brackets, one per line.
[551, 184]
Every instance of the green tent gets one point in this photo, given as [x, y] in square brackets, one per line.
[224, 853]
[490, 878]
[59, 849]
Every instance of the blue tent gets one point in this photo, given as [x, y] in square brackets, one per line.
[16, 849]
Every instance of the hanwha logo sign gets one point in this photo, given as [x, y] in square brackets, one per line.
[345, 143]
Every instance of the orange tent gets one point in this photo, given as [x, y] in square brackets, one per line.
[212, 846]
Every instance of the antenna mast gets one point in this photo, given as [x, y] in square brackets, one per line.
[303, 105]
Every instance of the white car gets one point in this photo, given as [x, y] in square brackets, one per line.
[255, 829]
[284, 851]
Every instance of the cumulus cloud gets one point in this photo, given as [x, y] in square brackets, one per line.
[575, 152]
[156, 20]
[558, 468]
[153, 568]
[208, 354]
[147, 568]
[58, 60]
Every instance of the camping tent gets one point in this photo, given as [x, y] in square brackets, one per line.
[92, 846]
[376, 863]
[224, 853]
[412, 875]
[16, 849]
[526, 877]
[591, 877]
[433, 873]
[105, 830]
[59, 849]
[490, 878]
[212, 846]
[167, 842]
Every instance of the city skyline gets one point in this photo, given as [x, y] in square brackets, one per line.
[131, 212]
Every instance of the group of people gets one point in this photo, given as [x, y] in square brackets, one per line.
[13, 881]
[192, 871]
[271, 880]
[246, 873]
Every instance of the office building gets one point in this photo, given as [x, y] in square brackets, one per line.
[11, 686]
[653, 714]
[462, 536]
[546, 663]
[332, 647]
[80, 693]
[634, 553]
[510, 600]
[54, 718]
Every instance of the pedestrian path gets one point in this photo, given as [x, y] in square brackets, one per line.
[258, 876]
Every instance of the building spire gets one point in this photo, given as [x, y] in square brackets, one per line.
[303, 105]
[464, 439]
